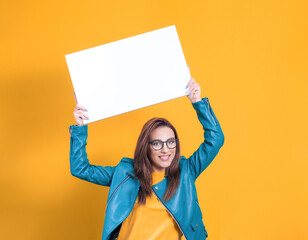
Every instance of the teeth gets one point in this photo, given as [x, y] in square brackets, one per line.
[164, 157]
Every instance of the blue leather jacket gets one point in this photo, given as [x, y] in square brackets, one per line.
[124, 186]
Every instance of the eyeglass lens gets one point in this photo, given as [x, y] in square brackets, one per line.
[158, 144]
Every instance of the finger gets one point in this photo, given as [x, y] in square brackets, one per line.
[195, 89]
[75, 97]
[192, 83]
[79, 112]
[196, 85]
[79, 107]
[82, 113]
[192, 89]
[84, 117]
[189, 84]
[81, 116]
[188, 90]
[189, 70]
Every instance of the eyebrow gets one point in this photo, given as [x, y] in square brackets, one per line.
[162, 140]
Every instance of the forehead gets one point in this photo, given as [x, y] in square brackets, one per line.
[162, 133]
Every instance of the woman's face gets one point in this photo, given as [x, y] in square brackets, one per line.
[161, 159]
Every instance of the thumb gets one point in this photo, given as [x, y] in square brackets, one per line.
[75, 97]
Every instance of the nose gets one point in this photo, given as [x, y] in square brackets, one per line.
[164, 149]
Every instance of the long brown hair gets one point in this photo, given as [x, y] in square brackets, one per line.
[143, 164]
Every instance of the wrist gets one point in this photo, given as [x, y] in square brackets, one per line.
[196, 100]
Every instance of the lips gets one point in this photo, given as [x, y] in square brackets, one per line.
[164, 157]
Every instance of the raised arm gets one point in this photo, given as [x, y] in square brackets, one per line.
[213, 135]
[79, 163]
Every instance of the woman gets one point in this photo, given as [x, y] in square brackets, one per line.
[152, 196]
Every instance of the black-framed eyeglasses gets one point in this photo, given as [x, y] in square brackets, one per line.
[158, 144]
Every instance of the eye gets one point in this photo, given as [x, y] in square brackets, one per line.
[171, 141]
[156, 143]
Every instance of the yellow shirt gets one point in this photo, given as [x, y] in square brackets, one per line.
[151, 220]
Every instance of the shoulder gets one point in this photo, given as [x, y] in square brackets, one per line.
[126, 165]
[127, 161]
[183, 163]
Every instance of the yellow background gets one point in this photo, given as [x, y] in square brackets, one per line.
[251, 60]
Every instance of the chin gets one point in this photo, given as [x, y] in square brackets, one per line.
[164, 165]
[161, 163]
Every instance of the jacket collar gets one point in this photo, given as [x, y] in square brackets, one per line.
[132, 173]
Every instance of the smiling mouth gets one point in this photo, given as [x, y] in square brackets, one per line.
[164, 157]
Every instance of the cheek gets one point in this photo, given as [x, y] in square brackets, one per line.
[173, 152]
[153, 154]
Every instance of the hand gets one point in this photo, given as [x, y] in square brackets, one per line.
[194, 91]
[79, 114]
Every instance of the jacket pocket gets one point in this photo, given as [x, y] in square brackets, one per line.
[199, 229]
[197, 223]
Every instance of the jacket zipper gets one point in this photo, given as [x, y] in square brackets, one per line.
[117, 189]
[170, 214]
[110, 199]
[208, 104]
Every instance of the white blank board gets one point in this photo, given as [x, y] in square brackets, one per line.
[129, 74]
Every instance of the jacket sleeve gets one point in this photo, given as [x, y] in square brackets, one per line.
[213, 139]
[79, 163]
